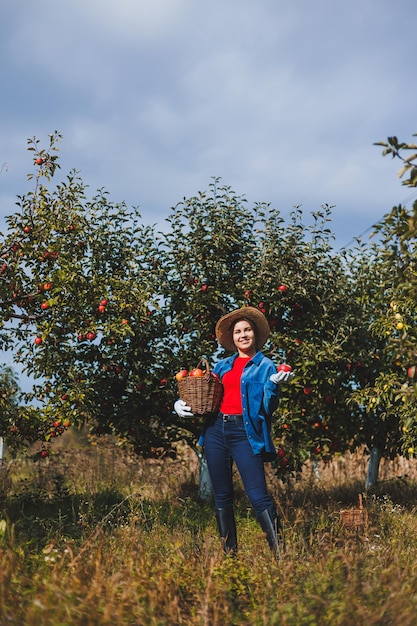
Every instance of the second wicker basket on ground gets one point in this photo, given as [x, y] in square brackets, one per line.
[202, 393]
[355, 519]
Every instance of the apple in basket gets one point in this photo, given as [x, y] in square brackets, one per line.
[197, 372]
[284, 367]
[181, 374]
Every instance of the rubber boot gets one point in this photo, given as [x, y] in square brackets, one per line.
[271, 526]
[227, 529]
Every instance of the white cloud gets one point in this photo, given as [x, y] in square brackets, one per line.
[133, 19]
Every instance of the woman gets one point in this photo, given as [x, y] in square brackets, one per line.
[241, 432]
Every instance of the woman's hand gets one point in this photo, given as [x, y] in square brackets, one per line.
[182, 409]
[281, 377]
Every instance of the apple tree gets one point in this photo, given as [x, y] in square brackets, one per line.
[9, 392]
[387, 290]
[80, 306]
[209, 248]
[301, 284]
[225, 254]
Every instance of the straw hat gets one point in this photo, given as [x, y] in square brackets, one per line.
[224, 326]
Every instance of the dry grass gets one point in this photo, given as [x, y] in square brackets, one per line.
[95, 536]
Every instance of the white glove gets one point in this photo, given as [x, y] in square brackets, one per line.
[281, 377]
[182, 409]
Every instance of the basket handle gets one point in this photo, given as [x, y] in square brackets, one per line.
[207, 367]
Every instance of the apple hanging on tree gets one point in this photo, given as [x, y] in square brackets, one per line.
[412, 371]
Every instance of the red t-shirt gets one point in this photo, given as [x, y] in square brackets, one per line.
[232, 402]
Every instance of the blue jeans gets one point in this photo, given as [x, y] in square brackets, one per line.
[224, 443]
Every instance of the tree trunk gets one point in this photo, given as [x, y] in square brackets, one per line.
[373, 467]
[315, 470]
[5, 480]
[205, 488]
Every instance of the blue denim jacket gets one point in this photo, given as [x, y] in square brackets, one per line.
[260, 398]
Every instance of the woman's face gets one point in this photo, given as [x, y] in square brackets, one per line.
[244, 338]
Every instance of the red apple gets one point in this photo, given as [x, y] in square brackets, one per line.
[39, 161]
[26, 229]
[196, 372]
[308, 390]
[204, 287]
[44, 453]
[282, 287]
[91, 335]
[181, 374]
[44, 306]
[284, 367]
[101, 308]
[412, 371]
[104, 302]
[38, 341]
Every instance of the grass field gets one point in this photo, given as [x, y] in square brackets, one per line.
[95, 536]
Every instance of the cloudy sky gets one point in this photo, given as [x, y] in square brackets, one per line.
[282, 100]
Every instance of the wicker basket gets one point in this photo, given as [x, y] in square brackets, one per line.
[202, 393]
[355, 519]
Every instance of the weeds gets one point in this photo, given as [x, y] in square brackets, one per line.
[137, 547]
